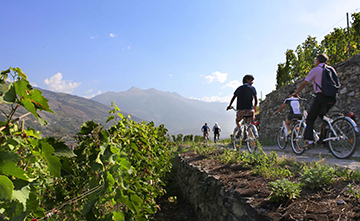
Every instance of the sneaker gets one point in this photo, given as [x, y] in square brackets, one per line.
[308, 145]
[288, 133]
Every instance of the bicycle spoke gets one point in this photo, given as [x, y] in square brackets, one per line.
[281, 139]
[343, 146]
[297, 140]
[251, 141]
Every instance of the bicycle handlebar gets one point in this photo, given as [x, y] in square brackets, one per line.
[231, 108]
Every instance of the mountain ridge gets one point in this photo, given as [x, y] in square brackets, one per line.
[179, 114]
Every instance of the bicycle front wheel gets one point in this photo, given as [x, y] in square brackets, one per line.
[344, 143]
[297, 138]
[251, 141]
[281, 139]
[236, 139]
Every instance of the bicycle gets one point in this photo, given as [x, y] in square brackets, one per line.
[206, 136]
[282, 137]
[340, 135]
[216, 138]
[249, 135]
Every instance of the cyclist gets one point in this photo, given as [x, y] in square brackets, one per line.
[245, 94]
[216, 129]
[206, 131]
[295, 112]
[320, 100]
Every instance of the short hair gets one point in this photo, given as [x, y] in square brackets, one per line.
[323, 58]
[247, 77]
[292, 91]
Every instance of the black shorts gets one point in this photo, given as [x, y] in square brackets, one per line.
[294, 117]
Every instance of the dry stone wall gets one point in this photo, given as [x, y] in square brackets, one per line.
[208, 197]
[348, 98]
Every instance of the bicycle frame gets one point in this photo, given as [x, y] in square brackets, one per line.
[337, 137]
[245, 124]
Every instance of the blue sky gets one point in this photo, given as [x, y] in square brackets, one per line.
[200, 49]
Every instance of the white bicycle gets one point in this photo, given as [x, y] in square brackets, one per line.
[340, 135]
[248, 135]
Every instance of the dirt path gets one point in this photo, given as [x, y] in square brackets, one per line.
[316, 154]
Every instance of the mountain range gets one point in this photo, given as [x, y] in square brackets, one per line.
[180, 115]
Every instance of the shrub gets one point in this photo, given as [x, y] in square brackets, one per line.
[317, 176]
[284, 190]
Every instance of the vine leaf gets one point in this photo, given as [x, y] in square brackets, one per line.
[8, 161]
[33, 205]
[53, 162]
[9, 95]
[6, 188]
[22, 195]
[119, 216]
[31, 99]
[87, 127]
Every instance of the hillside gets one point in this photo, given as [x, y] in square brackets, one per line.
[71, 112]
[179, 114]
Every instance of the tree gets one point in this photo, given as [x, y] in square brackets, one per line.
[338, 44]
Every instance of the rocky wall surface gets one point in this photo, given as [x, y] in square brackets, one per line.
[348, 99]
[207, 195]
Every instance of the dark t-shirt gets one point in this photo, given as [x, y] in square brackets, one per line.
[205, 128]
[244, 95]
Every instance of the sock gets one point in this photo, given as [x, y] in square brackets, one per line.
[310, 142]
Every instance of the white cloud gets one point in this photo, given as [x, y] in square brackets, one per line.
[92, 95]
[232, 84]
[216, 76]
[55, 83]
[93, 37]
[213, 99]
[112, 35]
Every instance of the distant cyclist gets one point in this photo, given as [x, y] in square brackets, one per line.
[216, 129]
[206, 131]
[245, 95]
[295, 113]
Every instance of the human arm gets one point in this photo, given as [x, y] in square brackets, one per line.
[255, 102]
[302, 85]
[231, 101]
[280, 108]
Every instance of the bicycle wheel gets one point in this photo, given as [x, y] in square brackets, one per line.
[297, 138]
[281, 139]
[236, 141]
[345, 144]
[251, 141]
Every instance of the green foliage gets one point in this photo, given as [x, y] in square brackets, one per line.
[188, 138]
[112, 174]
[284, 190]
[339, 45]
[204, 150]
[178, 138]
[347, 174]
[354, 190]
[198, 139]
[317, 176]
[273, 172]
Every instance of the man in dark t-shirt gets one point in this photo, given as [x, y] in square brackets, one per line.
[245, 95]
[206, 130]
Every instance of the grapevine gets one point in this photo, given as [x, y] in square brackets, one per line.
[109, 174]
